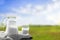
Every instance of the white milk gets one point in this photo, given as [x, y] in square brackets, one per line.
[11, 26]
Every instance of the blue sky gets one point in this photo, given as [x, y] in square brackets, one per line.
[5, 5]
[44, 12]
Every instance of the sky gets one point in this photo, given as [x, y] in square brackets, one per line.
[37, 12]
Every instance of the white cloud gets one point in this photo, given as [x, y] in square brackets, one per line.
[39, 14]
[54, 0]
[23, 9]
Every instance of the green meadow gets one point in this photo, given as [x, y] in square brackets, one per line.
[43, 32]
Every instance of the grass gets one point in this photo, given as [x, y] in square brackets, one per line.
[43, 32]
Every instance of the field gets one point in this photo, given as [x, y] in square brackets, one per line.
[43, 32]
